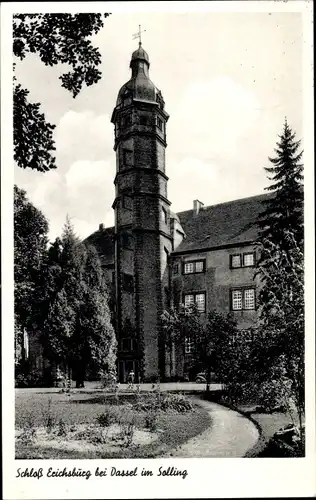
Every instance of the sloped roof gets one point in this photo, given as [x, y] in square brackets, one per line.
[230, 223]
[103, 241]
[227, 223]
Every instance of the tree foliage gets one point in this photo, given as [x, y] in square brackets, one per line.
[74, 315]
[281, 268]
[55, 39]
[30, 243]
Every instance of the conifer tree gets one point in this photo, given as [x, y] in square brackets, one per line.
[281, 268]
[94, 340]
[281, 231]
[74, 316]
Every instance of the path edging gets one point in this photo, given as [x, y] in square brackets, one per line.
[259, 445]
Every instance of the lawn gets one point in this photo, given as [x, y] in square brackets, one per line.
[269, 423]
[58, 425]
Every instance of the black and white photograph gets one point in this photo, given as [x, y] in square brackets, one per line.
[161, 205]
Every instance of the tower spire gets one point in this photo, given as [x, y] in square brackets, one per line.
[139, 35]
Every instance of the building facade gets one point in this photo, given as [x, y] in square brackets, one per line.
[154, 258]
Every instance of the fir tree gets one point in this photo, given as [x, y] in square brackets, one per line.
[74, 316]
[281, 229]
[94, 340]
[281, 268]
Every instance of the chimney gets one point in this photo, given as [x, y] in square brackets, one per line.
[197, 205]
[101, 226]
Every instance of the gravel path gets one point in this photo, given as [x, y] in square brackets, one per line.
[231, 435]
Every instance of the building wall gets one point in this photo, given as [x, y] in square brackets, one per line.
[217, 281]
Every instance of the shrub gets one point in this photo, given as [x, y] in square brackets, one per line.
[110, 416]
[106, 419]
[26, 377]
[151, 421]
[28, 427]
[164, 402]
[48, 417]
[127, 433]
[62, 429]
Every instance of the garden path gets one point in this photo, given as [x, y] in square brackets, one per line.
[231, 435]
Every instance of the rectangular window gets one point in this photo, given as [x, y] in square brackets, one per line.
[188, 345]
[249, 299]
[127, 240]
[127, 202]
[159, 123]
[127, 158]
[195, 298]
[164, 215]
[197, 266]
[126, 121]
[128, 282]
[176, 269]
[200, 301]
[188, 300]
[235, 261]
[244, 299]
[242, 260]
[237, 300]
[249, 259]
[188, 268]
[127, 344]
[143, 120]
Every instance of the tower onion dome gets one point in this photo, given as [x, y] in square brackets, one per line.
[139, 86]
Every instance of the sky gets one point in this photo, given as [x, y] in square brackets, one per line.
[228, 80]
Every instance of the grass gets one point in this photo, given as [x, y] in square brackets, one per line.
[34, 410]
[267, 423]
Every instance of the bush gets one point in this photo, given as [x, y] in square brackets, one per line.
[277, 448]
[110, 416]
[164, 402]
[127, 433]
[106, 419]
[29, 427]
[48, 417]
[62, 429]
[33, 378]
[151, 421]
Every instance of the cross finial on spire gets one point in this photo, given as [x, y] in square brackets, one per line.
[139, 35]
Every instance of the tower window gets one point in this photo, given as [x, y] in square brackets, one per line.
[127, 202]
[159, 123]
[127, 158]
[164, 215]
[127, 240]
[128, 282]
[143, 120]
[126, 121]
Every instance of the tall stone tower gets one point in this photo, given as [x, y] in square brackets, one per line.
[142, 222]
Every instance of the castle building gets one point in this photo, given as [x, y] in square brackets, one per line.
[155, 258]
